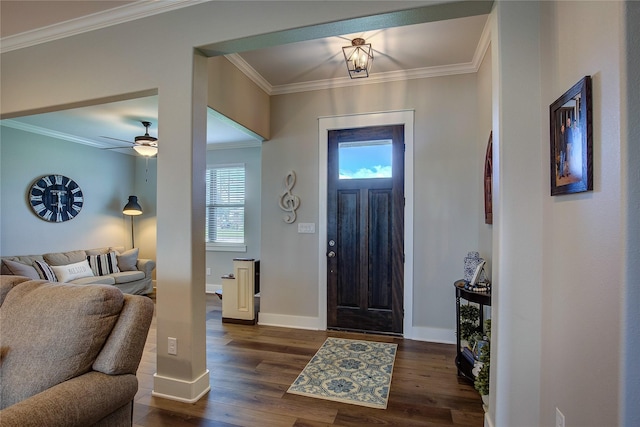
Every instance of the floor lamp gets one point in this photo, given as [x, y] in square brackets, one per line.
[132, 208]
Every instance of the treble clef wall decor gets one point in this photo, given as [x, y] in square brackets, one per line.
[289, 202]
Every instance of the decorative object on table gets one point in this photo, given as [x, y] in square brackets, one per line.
[471, 263]
[359, 57]
[488, 182]
[571, 148]
[55, 198]
[349, 371]
[132, 208]
[289, 202]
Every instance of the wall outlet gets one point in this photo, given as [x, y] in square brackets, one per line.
[208, 271]
[172, 346]
[559, 418]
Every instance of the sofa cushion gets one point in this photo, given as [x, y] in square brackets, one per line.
[97, 251]
[103, 264]
[52, 332]
[64, 258]
[127, 276]
[44, 271]
[127, 260]
[19, 269]
[6, 284]
[68, 272]
[94, 280]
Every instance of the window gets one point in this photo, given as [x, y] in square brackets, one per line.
[365, 159]
[225, 207]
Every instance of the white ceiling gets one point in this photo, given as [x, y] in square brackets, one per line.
[436, 48]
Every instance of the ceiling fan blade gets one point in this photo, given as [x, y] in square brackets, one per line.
[117, 139]
[116, 148]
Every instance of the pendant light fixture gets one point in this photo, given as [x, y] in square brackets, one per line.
[359, 57]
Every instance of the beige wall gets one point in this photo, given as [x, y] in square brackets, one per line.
[483, 77]
[582, 286]
[447, 162]
[232, 94]
[585, 258]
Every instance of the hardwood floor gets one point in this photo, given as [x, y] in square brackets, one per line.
[252, 367]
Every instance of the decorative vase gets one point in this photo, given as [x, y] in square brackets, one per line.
[471, 262]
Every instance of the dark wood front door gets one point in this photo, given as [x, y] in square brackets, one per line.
[365, 229]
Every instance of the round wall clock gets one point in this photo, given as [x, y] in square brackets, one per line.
[56, 198]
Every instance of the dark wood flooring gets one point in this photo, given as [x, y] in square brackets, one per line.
[252, 367]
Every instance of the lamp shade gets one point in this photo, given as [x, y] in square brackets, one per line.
[359, 57]
[132, 207]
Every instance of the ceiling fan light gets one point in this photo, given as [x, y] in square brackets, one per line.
[146, 150]
[358, 57]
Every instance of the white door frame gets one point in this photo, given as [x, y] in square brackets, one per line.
[402, 117]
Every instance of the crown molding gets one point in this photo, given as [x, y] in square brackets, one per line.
[250, 72]
[417, 73]
[95, 21]
[51, 133]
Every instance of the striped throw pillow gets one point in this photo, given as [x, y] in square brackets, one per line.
[103, 264]
[44, 271]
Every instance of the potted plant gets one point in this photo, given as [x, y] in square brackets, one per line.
[481, 382]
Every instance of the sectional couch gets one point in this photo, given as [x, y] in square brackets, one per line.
[69, 353]
[100, 266]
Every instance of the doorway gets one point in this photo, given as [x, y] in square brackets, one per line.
[365, 229]
[356, 121]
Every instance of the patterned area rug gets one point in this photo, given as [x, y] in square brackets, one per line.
[349, 371]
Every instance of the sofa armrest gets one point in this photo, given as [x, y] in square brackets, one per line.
[80, 401]
[146, 265]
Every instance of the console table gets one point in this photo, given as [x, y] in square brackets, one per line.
[482, 299]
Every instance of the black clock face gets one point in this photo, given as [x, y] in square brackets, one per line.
[56, 198]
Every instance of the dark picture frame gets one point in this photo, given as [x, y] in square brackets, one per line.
[488, 181]
[571, 151]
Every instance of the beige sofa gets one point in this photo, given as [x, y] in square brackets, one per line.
[102, 266]
[69, 353]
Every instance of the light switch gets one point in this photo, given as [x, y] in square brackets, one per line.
[306, 227]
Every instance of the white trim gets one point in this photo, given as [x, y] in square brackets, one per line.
[405, 117]
[181, 390]
[226, 247]
[439, 335]
[287, 321]
[487, 420]
[14, 124]
[95, 21]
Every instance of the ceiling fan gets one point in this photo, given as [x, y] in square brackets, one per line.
[145, 145]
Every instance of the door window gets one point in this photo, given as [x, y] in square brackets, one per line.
[365, 159]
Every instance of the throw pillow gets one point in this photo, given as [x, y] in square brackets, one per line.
[19, 269]
[127, 260]
[44, 271]
[66, 273]
[103, 264]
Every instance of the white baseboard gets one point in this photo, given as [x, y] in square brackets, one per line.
[212, 288]
[287, 321]
[181, 390]
[487, 420]
[439, 335]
